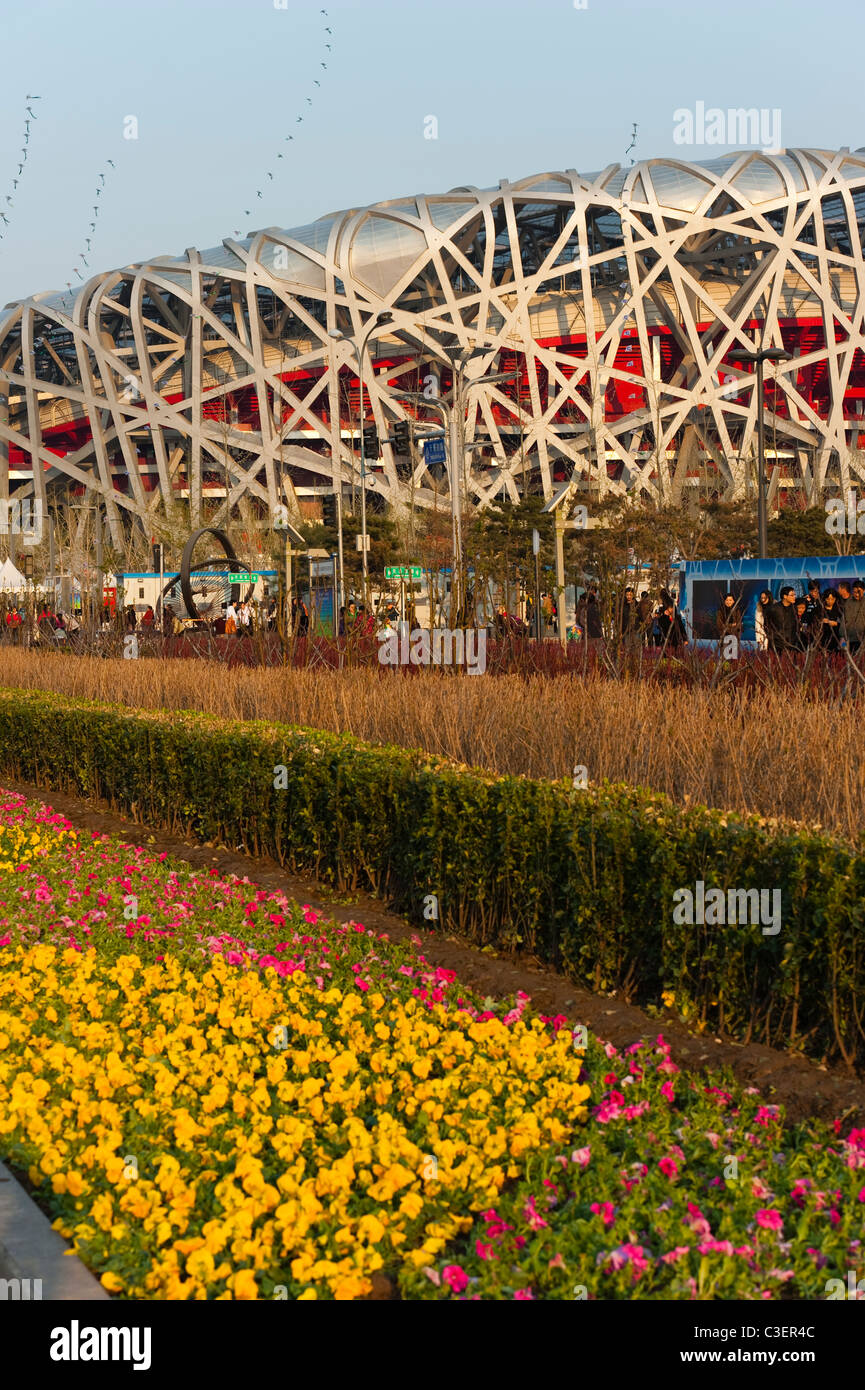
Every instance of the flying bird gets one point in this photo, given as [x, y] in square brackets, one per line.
[316, 81]
[309, 99]
[111, 162]
[327, 31]
[270, 176]
[258, 195]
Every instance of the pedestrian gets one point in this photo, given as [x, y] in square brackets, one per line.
[854, 616]
[729, 618]
[763, 619]
[593, 627]
[230, 619]
[629, 617]
[646, 617]
[783, 624]
[831, 632]
[671, 629]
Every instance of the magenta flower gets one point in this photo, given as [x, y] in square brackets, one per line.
[605, 1210]
[669, 1167]
[455, 1277]
[770, 1219]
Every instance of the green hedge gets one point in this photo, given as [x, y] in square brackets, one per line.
[584, 879]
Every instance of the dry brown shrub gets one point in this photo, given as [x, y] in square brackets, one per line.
[777, 752]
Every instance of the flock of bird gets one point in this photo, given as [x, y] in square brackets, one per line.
[82, 260]
[88, 241]
[259, 192]
[10, 200]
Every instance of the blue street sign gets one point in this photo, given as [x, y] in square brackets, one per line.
[434, 451]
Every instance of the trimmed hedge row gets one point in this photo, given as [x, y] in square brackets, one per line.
[584, 879]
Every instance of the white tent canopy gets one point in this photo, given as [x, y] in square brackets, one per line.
[11, 577]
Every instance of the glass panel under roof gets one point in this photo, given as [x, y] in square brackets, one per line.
[407, 205]
[759, 181]
[445, 214]
[383, 250]
[678, 188]
[222, 258]
[550, 185]
[285, 264]
[315, 235]
[853, 169]
[794, 171]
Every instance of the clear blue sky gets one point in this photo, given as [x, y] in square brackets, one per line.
[516, 88]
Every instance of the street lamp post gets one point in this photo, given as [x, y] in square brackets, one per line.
[759, 357]
[452, 420]
[380, 319]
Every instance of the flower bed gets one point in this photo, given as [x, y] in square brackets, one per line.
[586, 879]
[217, 1095]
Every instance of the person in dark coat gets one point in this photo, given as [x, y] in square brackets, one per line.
[671, 629]
[629, 617]
[784, 626]
[593, 626]
[854, 616]
[804, 636]
[831, 628]
[814, 609]
[729, 617]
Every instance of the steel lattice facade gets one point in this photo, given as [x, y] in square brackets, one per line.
[617, 297]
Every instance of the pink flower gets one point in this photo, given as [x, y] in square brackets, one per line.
[676, 1254]
[484, 1252]
[455, 1277]
[605, 1210]
[524, 1295]
[532, 1215]
[669, 1168]
[770, 1219]
[557, 1262]
[667, 1091]
[716, 1247]
[433, 1275]
[581, 1156]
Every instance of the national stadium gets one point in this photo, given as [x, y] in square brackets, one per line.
[605, 306]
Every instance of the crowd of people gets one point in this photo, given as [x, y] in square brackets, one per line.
[833, 619]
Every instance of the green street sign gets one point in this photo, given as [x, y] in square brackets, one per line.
[403, 572]
[244, 577]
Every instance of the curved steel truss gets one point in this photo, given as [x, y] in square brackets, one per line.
[616, 297]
